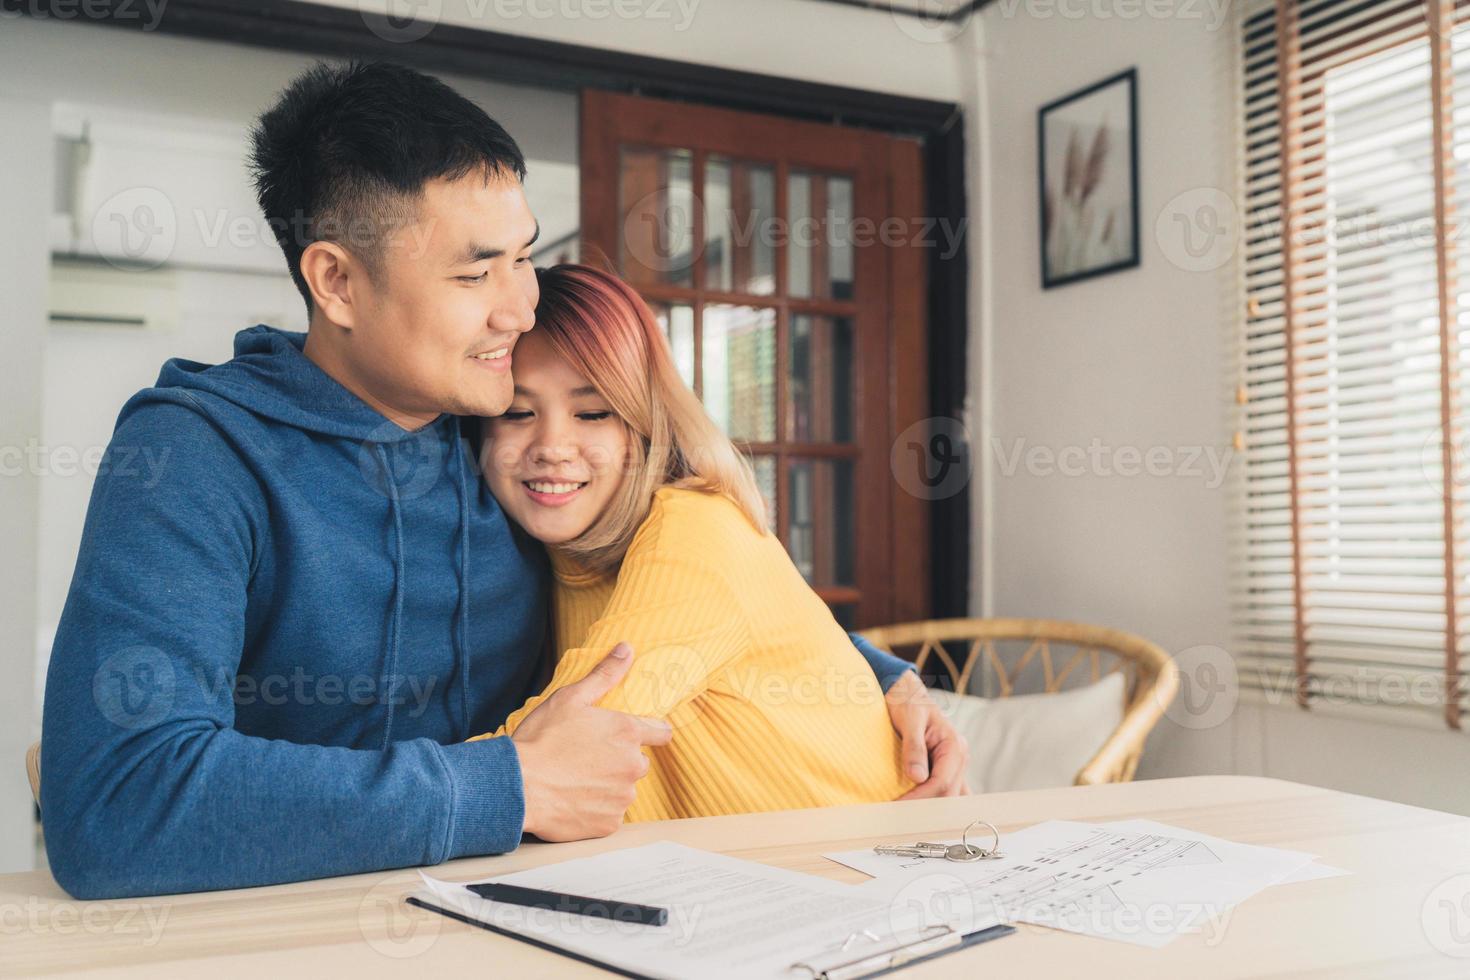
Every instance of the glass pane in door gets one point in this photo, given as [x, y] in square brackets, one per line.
[819, 252]
[819, 388]
[739, 370]
[677, 322]
[739, 247]
[821, 498]
[656, 202]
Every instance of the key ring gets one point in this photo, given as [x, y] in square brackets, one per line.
[994, 850]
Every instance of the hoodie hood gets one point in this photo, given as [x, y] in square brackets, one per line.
[271, 376]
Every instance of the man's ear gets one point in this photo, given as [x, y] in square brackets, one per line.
[336, 280]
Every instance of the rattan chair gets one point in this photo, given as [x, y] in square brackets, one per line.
[1151, 679]
[33, 770]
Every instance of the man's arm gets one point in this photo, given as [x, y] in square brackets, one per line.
[934, 754]
[146, 786]
[886, 667]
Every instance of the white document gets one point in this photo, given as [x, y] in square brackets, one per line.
[1134, 880]
[1312, 872]
[728, 918]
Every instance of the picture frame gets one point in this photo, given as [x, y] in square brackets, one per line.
[1087, 171]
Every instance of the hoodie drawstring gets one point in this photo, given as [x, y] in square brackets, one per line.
[396, 510]
[461, 665]
[464, 575]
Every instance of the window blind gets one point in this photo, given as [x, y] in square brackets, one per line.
[1352, 588]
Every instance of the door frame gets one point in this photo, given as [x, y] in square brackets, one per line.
[309, 28]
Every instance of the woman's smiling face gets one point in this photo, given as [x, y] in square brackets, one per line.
[558, 454]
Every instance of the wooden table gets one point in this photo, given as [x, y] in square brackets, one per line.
[1395, 916]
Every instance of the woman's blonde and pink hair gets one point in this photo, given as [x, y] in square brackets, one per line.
[606, 332]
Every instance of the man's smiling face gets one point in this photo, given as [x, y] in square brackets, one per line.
[455, 291]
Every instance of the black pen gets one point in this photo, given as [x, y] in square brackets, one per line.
[535, 898]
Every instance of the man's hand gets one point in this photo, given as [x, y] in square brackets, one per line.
[579, 762]
[934, 754]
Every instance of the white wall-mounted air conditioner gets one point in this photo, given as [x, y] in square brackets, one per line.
[142, 191]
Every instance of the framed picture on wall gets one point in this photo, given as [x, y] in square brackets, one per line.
[1087, 146]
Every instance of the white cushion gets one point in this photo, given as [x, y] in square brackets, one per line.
[1034, 741]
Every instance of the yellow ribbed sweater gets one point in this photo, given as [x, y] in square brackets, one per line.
[772, 706]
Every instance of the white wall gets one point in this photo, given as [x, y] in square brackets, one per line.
[23, 196]
[1139, 359]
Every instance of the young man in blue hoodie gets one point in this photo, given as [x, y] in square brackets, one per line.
[274, 648]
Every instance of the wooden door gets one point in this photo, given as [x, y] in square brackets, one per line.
[783, 259]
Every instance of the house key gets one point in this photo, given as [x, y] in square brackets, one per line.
[964, 851]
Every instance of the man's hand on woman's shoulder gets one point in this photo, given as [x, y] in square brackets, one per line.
[579, 762]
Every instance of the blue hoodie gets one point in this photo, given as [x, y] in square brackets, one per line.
[279, 633]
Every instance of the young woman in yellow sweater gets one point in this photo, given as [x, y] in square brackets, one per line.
[658, 537]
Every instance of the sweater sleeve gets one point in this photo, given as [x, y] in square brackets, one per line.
[684, 623]
[146, 786]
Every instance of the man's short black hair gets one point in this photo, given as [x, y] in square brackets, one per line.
[345, 152]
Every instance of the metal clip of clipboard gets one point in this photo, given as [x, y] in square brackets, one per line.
[893, 954]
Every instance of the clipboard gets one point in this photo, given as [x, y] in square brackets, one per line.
[856, 963]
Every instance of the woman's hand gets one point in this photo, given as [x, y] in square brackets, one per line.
[934, 754]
